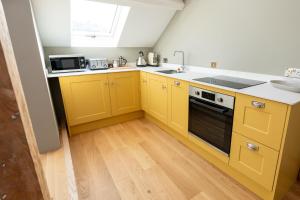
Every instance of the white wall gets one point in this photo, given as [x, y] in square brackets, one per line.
[169, 4]
[130, 54]
[144, 25]
[53, 21]
[246, 35]
[30, 65]
[143, 28]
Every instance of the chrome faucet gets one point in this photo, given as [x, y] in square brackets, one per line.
[182, 53]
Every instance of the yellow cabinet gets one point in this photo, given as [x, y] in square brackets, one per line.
[178, 106]
[124, 92]
[144, 90]
[260, 120]
[158, 97]
[254, 160]
[86, 98]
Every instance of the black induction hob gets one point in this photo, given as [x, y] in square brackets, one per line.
[231, 82]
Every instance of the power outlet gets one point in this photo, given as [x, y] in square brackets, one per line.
[292, 72]
[213, 64]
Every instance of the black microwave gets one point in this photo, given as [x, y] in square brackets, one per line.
[67, 63]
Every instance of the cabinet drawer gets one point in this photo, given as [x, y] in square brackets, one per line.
[254, 160]
[260, 120]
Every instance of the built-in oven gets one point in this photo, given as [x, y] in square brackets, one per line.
[66, 63]
[211, 117]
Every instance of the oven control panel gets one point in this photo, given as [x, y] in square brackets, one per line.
[210, 96]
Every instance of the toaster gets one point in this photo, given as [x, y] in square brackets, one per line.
[98, 63]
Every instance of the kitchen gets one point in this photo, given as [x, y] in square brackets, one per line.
[167, 99]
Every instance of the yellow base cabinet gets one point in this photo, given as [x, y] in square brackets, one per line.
[86, 98]
[178, 106]
[266, 164]
[259, 119]
[265, 150]
[90, 98]
[265, 144]
[254, 160]
[144, 90]
[124, 92]
[158, 97]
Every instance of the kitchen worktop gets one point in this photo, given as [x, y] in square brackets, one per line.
[266, 91]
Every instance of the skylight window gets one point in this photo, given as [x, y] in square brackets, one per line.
[96, 24]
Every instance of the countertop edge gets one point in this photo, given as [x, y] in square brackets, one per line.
[188, 79]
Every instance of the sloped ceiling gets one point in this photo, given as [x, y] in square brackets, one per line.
[169, 4]
[146, 21]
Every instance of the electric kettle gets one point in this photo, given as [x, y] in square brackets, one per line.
[140, 62]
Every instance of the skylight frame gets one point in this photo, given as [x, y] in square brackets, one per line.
[94, 39]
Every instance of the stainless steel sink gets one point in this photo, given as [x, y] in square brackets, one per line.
[169, 71]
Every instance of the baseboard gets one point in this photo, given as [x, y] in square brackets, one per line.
[74, 130]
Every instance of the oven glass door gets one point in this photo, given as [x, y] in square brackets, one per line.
[212, 123]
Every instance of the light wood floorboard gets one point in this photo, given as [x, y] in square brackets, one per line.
[55, 174]
[59, 172]
[138, 160]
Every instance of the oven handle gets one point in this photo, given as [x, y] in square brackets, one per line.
[219, 110]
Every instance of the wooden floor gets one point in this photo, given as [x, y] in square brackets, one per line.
[59, 171]
[137, 160]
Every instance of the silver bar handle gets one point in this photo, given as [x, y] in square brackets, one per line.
[252, 147]
[257, 104]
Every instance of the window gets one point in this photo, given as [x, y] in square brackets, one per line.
[95, 24]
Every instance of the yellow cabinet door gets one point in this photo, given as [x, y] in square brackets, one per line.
[254, 160]
[124, 92]
[260, 120]
[144, 90]
[158, 97]
[178, 106]
[86, 98]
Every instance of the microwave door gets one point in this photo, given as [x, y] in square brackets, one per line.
[70, 63]
[56, 64]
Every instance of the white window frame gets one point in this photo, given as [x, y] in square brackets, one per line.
[82, 39]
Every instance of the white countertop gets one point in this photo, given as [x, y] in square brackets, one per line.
[265, 91]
